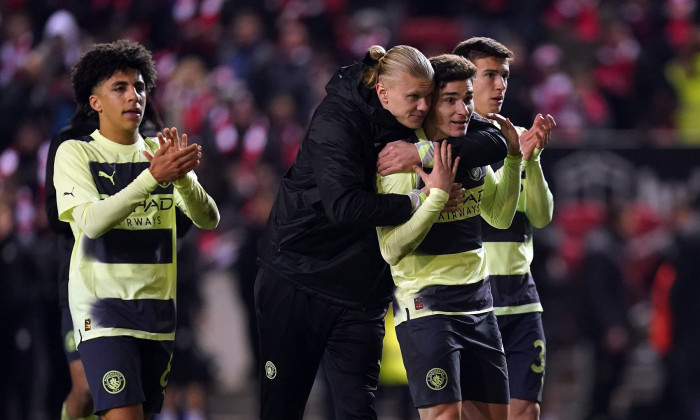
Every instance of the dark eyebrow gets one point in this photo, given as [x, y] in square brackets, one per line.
[120, 83]
[491, 70]
[496, 70]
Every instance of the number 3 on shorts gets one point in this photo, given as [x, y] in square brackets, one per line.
[539, 367]
[164, 377]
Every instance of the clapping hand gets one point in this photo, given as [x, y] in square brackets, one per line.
[175, 158]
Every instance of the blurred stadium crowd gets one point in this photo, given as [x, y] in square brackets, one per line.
[242, 78]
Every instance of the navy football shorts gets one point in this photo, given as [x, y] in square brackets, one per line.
[525, 346]
[451, 358]
[124, 370]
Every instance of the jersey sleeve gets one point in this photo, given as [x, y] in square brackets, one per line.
[72, 180]
[395, 242]
[426, 150]
[539, 202]
[77, 198]
[500, 198]
[195, 202]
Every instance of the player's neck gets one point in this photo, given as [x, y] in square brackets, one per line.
[432, 133]
[120, 136]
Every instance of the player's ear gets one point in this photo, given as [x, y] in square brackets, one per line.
[382, 93]
[95, 103]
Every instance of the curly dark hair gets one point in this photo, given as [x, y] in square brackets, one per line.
[102, 60]
[451, 67]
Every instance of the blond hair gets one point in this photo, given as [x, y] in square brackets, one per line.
[398, 60]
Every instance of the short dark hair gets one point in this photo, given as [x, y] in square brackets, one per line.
[481, 47]
[450, 67]
[102, 60]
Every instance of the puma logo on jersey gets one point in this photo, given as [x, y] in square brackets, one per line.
[69, 192]
[110, 177]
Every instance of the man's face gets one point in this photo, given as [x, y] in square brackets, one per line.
[120, 102]
[490, 84]
[452, 108]
[406, 97]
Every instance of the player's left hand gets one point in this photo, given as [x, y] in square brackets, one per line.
[534, 137]
[549, 126]
[171, 135]
[538, 136]
[175, 158]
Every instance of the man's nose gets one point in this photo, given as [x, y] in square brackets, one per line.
[423, 105]
[133, 94]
